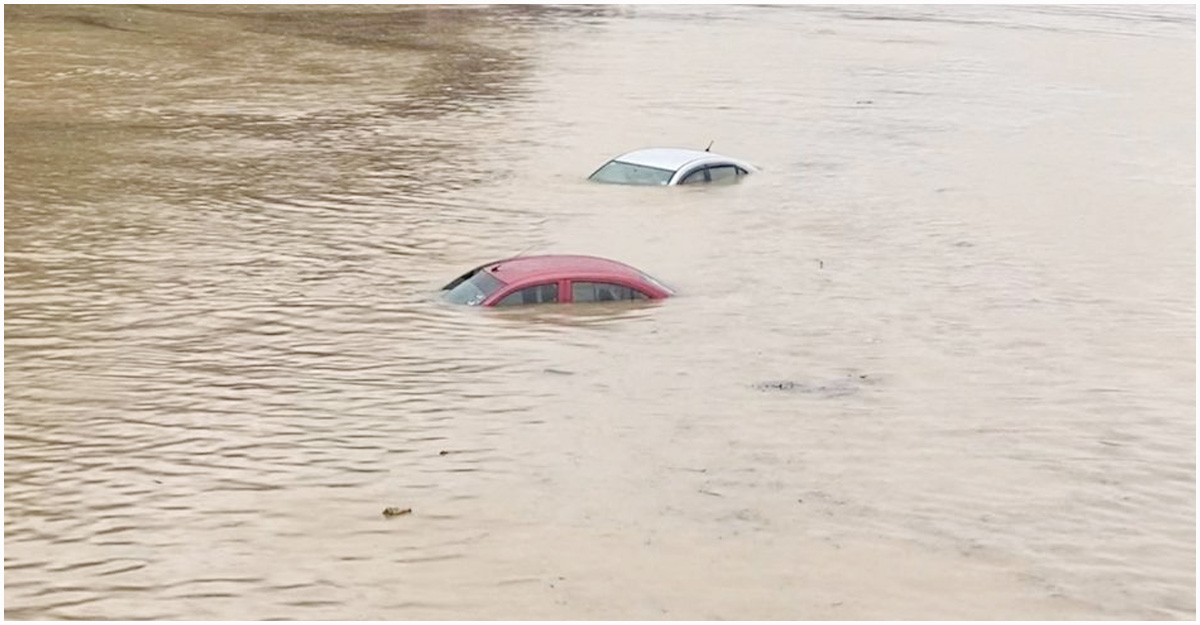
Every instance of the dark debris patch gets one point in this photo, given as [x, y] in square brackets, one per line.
[837, 387]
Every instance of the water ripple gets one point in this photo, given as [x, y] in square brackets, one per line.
[225, 353]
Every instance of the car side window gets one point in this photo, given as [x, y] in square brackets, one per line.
[694, 177]
[723, 173]
[603, 292]
[539, 294]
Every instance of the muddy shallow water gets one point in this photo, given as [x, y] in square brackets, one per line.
[936, 361]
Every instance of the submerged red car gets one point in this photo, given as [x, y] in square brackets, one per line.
[552, 278]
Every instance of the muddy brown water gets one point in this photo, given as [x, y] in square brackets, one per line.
[936, 361]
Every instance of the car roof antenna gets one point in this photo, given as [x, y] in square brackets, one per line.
[710, 145]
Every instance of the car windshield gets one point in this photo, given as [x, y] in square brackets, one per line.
[628, 173]
[473, 290]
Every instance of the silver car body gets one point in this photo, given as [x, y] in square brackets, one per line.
[681, 161]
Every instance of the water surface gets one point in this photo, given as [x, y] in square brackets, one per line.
[936, 361]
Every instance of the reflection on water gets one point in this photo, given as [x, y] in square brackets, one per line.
[949, 328]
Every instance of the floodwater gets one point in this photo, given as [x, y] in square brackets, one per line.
[936, 361]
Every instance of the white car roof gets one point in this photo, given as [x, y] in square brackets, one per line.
[669, 158]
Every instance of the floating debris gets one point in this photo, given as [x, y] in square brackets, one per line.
[837, 387]
[782, 385]
[391, 512]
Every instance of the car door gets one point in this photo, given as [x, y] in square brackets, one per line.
[543, 293]
[697, 175]
[601, 291]
[722, 174]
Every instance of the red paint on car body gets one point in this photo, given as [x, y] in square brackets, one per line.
[563, 270]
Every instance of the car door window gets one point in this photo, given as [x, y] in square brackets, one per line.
[539, 294]
[603, 292]
[722, 173]
[694, 177]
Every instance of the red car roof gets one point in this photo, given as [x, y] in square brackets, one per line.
[558, 266]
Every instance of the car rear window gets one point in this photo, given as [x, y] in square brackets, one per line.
[474, 289]
[627, 173]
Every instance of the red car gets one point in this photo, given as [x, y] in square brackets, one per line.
[549, 279]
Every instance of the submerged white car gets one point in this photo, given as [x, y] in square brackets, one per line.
[671, 166]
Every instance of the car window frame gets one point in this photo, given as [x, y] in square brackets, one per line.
[632, 286]
[702, 169]
[497, 301]
[711, 166]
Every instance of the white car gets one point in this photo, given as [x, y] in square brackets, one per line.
[671, 166]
